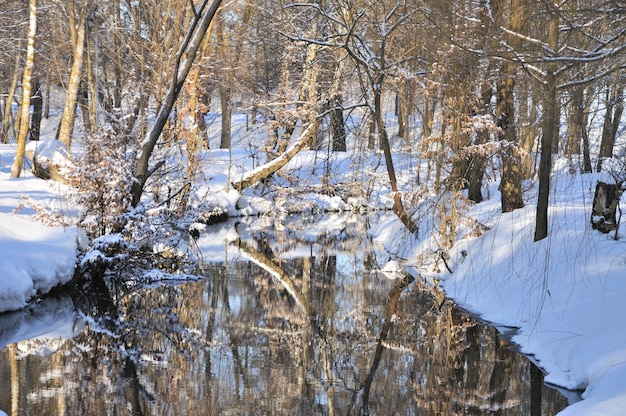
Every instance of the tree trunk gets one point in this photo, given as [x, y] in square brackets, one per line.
[427, 121]
[78, 33]
[8, 112]
[83, 102]
[371, 136]
[36, 101]
[575, 121]
[275, 271]
[606, 130]
[550, 134]
[510, 183]
[528, 120]
[617, 116]
[585, 138]
[476, 170]
[198, 106]
[612, 117]
[404, 105]
[14, 394]
[266, 170]
[230, 51]
[226, 103]
[188, 49]
[46, 111]
[16, 169]
[398, 206]
[337, 124]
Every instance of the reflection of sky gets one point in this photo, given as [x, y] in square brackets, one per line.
[291, 236]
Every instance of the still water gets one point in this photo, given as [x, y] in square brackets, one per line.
[289, 317]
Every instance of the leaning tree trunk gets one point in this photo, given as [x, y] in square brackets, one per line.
[16, 169]
[276, 272]
[188, 49]
[266, 170]
[398, 206]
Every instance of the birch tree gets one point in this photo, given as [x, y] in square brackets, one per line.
[16, 169]
[77, 20]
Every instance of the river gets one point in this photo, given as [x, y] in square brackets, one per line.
[286, 317]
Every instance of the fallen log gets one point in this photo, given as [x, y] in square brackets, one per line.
[264, 171]
[50, 160]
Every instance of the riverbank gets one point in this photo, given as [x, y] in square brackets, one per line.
[564, 295]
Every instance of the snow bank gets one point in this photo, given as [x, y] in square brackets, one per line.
[35, 258]
[566, 293]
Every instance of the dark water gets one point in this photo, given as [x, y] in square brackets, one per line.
[286, 320]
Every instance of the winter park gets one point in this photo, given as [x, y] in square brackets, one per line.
[361, 208]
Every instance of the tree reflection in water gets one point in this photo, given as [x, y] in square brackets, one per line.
[271, 332]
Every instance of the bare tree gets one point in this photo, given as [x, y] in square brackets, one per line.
[78, 22]
[16, 169]
[510, 184]
[370, 33]
[231, 35]
[203, 16]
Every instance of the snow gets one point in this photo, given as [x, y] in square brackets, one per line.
[562, 298]
[392, 270]
[48, 152]
[564, 294]
[34, 257]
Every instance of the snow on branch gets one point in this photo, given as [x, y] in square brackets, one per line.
[250, 178]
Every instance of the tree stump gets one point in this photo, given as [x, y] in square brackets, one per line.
[603, 212]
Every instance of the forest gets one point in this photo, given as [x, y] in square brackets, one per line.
[230, 185]
[472, 86]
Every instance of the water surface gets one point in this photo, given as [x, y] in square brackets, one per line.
[285, 320]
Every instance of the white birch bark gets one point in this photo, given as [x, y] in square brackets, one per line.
[69, 109]
[16, 169]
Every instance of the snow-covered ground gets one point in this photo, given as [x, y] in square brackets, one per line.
[34, 257]
[564, 295]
